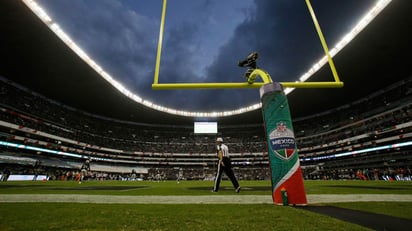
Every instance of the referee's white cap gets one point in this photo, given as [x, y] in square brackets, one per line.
[219, 139]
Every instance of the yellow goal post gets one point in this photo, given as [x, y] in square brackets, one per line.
[256, 72]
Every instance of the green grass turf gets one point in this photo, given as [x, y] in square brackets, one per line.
[52, 216]
[197, 187]
[78, 216]
[358, 187]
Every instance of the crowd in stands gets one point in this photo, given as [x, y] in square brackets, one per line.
[381, 118]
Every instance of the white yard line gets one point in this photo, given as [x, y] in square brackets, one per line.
[213, 199]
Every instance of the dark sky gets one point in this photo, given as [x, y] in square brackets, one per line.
[203, 42]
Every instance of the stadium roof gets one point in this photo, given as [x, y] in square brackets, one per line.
[34, 57]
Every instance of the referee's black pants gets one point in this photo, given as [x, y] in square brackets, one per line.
[229, 172]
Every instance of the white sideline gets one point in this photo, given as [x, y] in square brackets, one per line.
[212, 199]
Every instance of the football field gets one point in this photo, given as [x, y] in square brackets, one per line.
[189, 205]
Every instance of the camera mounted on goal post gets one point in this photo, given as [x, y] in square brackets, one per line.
[249, 62]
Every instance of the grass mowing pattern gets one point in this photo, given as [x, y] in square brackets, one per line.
[198, 187]
[75, 216]
[52, 216]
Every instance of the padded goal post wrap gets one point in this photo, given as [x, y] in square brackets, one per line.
[283, 154]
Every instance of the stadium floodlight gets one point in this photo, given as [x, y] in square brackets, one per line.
[46, 19]
[383, 147]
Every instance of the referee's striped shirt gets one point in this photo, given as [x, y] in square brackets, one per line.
[224, 148]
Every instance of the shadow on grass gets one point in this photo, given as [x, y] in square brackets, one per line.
[371, 220]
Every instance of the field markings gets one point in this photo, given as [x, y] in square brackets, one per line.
[204, 199]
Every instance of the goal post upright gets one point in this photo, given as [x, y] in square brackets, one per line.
[286, 173]
[257, 72]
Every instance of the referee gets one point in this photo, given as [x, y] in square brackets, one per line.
[224, 165]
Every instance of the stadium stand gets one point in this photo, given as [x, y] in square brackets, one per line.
[367, 139]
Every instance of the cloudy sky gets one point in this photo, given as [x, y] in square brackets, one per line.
[203, 42]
